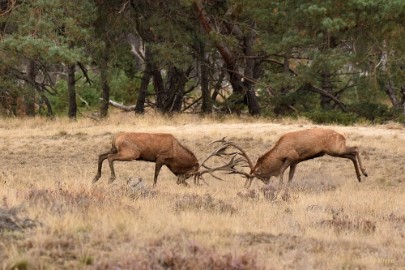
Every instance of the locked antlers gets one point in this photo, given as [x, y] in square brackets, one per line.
[238, 158]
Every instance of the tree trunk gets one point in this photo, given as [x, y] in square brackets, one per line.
[389, 90]
[176, 82]
[403, 98]
[159, 87]
[250, 74]
[326, 85]
[206, 106]
[143, 90]
[103, 65]
[71, 85]
[218, 85]
[48, 105]
[29, 98]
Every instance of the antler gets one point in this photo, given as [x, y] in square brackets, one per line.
[249, 177]
[219, 152]
[229, 167]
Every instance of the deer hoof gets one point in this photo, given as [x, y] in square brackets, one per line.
[95, 179]
[111, 180]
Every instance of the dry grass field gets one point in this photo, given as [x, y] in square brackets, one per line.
[52, 217]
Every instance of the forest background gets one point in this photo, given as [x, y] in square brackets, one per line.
[328, 61]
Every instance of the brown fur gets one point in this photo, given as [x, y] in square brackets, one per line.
[295, 147]
[161, 148]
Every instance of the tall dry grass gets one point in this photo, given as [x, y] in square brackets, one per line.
[329, 220]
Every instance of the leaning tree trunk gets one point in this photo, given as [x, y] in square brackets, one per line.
[240, 92]
[389, 90]
[71, 91]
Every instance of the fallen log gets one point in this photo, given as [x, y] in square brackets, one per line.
[126, 108]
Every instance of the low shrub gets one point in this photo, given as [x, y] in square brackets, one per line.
[167, 253]
[207, 203]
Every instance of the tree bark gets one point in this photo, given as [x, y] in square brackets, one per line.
[71, 85]
[159, 87]
[403, 98]
[250, 74]
[143, 90]
[326, 85]
[389, 90]
[29, 99]
[105, 87]
[206, 106]
[177, 80]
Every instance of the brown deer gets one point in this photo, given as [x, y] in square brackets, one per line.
[161, 148]
[291, 149]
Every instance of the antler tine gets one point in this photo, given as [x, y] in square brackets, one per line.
[220, 151]
[242, 153]
[228, 167]
[217, 141]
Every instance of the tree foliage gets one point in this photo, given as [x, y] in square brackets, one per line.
[327, 60]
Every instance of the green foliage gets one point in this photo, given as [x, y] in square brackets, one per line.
[351, 48]
[87, 93]
[49, 31]
[375, 112]
[331, 117]
[122, 89]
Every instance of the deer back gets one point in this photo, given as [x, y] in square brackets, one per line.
[151, 146]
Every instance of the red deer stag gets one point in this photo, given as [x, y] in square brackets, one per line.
[291, 149]
[161, 148]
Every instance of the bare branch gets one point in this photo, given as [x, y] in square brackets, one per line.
[84, 70]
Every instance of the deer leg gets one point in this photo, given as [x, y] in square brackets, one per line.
[285, 165]
[363, 170]
[352, 157]
[125, 155]
[352, 153]
[182, 180]
[291, 172]
[101, 158]
[158, 166]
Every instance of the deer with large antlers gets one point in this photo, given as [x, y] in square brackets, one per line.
[291, 149]
[161, 148]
